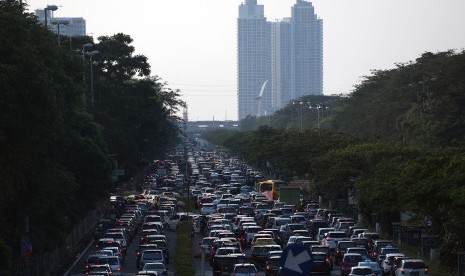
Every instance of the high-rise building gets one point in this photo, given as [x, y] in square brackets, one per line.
[281, 48]
[307, 51]
[76, 25]
[254, 60]
[295, 60]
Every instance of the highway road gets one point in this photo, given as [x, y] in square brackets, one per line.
[129, 266]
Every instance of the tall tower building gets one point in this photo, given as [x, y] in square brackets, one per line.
[287, 53]
[281, 47]
[307, 51]
[254, 60]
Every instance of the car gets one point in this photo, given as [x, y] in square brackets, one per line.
[359, 250]
[160, 268]
[387, 264]
[147, 273]
[315, 225]
[260, 253]
[113, 262]
[386, 250]
[272, 265]
[410, 267]
[99, 269]
[332, 238]
[141, 248]
[321, 232]
[341, 249]
[91, 260]
[174, 220]
[348, 261]
[374, 265]
[151, 256]
[361, 271]
[321, 263]
[377, 245]
[246, 269]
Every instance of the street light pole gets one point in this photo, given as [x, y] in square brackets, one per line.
[58, 23]
[91, 54]
[48, 8]
[84, 46]
[301, 103]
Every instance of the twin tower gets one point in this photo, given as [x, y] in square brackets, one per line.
[277, 61]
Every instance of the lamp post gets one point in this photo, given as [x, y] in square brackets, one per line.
[84, 46]
[301, 103]
[91, 54]
[58, 23]
[46, 9]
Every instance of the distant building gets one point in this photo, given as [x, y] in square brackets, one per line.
[307, 51]
[76, 25]
[254, 60]
[281, 48]
[293, 65]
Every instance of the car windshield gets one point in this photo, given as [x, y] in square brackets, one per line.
[245, 269]
[362, 271]
[414, 265]
[319, 258]
[337, 235]
[154, 266]
[346, 245]
[153, 255]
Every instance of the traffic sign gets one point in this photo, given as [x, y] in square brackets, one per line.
[296, 260]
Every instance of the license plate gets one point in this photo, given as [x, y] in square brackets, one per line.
[414, 273]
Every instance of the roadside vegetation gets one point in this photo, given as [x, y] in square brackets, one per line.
[397, 143]
[60, 143]
[183, 258]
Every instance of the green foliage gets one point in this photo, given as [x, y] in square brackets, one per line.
[54, 156]
[408, 154]
[183, 257]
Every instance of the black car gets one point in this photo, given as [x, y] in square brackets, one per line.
[272, 266]
[321, 263]
[341, 249]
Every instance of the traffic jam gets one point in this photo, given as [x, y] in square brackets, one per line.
[240, 226]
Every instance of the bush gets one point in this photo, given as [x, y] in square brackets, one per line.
[183, 257]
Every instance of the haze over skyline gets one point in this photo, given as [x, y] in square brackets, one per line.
[192, 45]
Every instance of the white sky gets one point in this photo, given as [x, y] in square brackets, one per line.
[192, 44]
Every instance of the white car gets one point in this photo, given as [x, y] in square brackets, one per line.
[322, 232]
[387, 263]
[412, 267]
[332, 238]
[374, 265]
[173, 221]
[245, 270]
[361, 271]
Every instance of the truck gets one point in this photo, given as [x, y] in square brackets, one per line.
[290, 195]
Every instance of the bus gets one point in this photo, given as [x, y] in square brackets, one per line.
[270, 188]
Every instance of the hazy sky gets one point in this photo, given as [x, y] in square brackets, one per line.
[192, 44]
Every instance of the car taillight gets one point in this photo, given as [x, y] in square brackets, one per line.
[268, 267]
[402, 271]
[328, 260]
[338, 252]
[119, 268]
[426, 270]
[138, 253]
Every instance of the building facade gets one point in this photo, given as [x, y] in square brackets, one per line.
[76, 26]
[254, 60]
[307, 51]
[294, 65]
